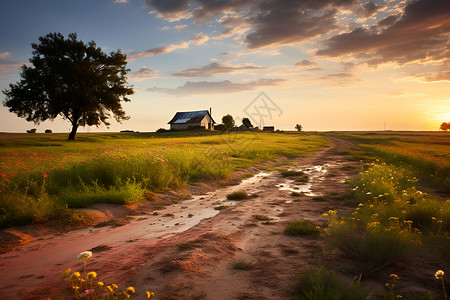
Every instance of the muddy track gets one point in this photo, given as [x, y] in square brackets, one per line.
[210, 232]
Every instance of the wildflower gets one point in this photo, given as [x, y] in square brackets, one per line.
[110, 289]
[114, 286]
[394, 276]
[393, 219]
[100, 284]
[75, 275]
[131, 290]
[84, 255]
[149, 295]
[66, 272]
[91, 275]
[439, 274]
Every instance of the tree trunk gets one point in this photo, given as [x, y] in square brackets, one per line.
[73, 132]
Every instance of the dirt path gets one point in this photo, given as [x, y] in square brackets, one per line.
[211, 233]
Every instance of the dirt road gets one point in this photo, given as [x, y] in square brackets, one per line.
[185, 251]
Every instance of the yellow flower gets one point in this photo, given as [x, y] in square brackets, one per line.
[109, 289]
[394, 277]
[149, 295]
[114, 285]
[131, 290]
[91, 275]
[84, 255]
[100, 284]
[439, 274]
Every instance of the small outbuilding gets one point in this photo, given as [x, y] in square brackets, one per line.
[269, 128]
[192, 119]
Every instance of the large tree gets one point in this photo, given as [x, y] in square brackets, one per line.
[71, 79]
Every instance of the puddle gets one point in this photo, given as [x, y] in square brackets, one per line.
[315, 174]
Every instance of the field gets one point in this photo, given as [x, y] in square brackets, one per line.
[339, 215]
[42, 175]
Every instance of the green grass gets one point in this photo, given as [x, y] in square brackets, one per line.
[391, 219]
[50, 172]
[318, 284]
[300, 227]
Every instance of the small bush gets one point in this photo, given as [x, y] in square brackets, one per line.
[302, 179]
[299, 227]
[48, 131]
[320, 285]
[238, 195]
[241, 264]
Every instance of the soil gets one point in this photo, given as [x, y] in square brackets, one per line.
[187, 250]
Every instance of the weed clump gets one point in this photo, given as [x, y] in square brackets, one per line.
[241, 264]
[319, 284]
[300, 227]
[238, 195]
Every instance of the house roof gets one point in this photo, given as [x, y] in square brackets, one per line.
[190, 117]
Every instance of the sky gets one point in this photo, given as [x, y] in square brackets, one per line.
[324, 64]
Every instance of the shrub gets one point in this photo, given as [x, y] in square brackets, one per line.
[241, 264]
[299, 227]
[321, 285]
[48, 131]
[238, 195]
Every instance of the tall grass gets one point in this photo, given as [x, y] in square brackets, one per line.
[119, 169]
[389, 221]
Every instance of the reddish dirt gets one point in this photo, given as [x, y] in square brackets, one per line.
[185, 250]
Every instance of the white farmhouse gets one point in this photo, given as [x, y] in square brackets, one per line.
[200, 118]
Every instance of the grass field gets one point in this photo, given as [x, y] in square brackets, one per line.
[426, 155]
[44, 174]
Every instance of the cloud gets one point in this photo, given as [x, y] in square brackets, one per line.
[209, 8]
[4, 55]
[216, 68]
[9, 66]
[280, 22]
[305, 63]
[439, 76]
[172, 10]
[369, 9]
[215, 87]
[339, 79]
[143, 74]
[159, 50]
[198, 39]
[120, 1]
[422, 33]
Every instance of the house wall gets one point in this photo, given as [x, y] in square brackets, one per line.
[183, 126]
[207, 123]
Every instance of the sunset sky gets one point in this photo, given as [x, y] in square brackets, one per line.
[325, 64]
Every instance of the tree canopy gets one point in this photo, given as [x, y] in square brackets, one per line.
[445, 126]
[247, 123]
[228, 121]
[73, 80]
[298, 127]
